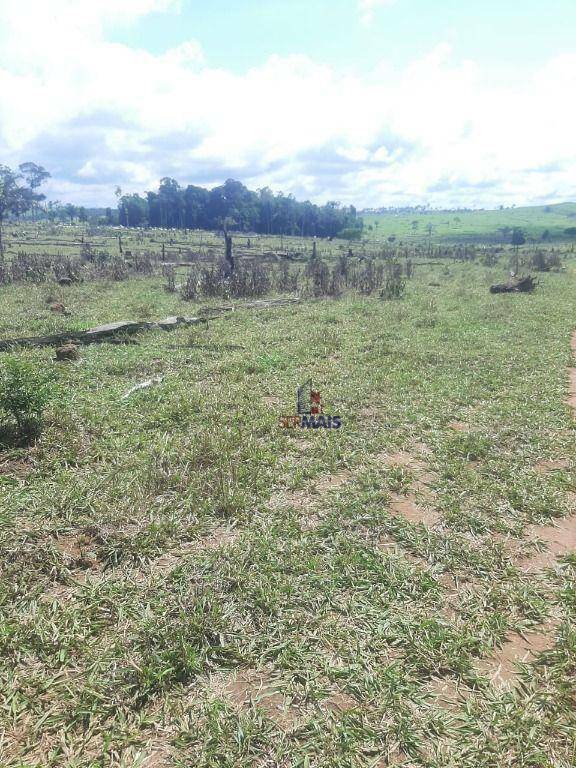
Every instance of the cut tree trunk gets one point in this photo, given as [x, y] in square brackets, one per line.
[228, 254]
[517, 285]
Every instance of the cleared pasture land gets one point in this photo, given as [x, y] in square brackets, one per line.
[469, 226]
[184, 583]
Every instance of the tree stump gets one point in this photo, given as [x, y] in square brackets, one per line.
[67, 352]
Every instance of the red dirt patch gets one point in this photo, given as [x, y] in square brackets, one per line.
[406, 507]
[501, 668]
[560, 540]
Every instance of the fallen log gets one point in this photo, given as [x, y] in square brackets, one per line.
[113, 332]
[101, 333]
[518, 285]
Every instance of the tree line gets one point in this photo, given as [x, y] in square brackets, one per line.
[19, 191]
[233, 206]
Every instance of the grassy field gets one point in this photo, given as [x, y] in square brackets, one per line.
[184, 583]
[475, 225]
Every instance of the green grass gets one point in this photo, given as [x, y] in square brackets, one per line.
[154, 546]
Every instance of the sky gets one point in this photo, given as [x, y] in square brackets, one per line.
[368, 102]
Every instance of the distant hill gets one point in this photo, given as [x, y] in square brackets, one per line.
[539, 223]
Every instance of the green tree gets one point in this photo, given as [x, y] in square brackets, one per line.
[16, 198]
[9, 196]
[518, 237]
[132, 211]
[34, 175]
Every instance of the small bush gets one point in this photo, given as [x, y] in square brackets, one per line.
[169, 273]
[350, 234]
[394, 282]
[24, 393]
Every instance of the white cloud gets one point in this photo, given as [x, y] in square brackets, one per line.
[98, 113]
[368, 8]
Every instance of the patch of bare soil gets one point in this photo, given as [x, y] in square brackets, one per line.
[16, 468]
[310, 522]
[79, 551]
[369, 413]
[423, 477]
[299, 444]
[219, 537]
[159, 758]
[423, 482]
[559, 540]
[338, 702]
[332, 482]
[306, 499]
[250, 688]
[299, 500]
[408, 508]
[459, 426]
[444, 693]
[571, 401]
[58, 593]
[501, 668]
[395, 757]
[387, 543]
[402, 459]
[545, 466]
